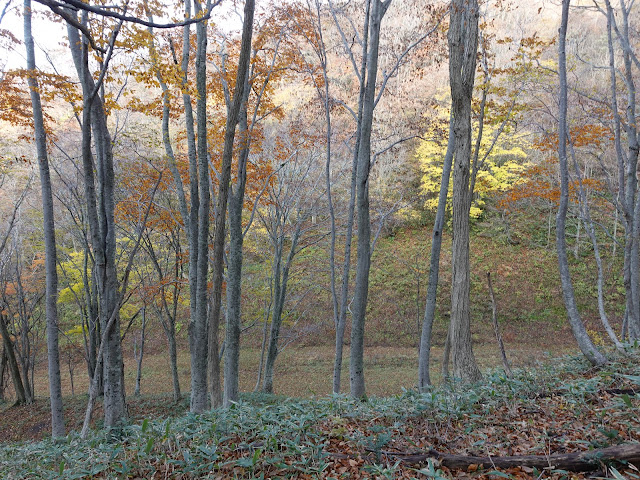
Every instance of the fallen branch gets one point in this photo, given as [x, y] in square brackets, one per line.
[575, 462]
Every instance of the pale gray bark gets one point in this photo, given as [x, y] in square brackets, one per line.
[51, 295]
[280, 279]
[100, 212]
[232, 339]
[424, 379]
[199, 338]
[577, 326]
[463, 47]
[356, 366]
[341, 320]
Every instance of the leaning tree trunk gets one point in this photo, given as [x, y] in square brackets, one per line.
[14, 369]
[424, 379]
[51, 295]
[577, 326]
[463, 46]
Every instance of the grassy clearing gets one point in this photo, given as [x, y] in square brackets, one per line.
[302, 372]
[564, 406]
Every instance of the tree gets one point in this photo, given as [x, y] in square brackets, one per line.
[234, 112]
[463, 46]
[51, 295]
[577, 326]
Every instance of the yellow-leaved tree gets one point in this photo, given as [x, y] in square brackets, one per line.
[502, 158]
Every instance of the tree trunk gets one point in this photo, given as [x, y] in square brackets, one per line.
[14, 370]
[51, 295]
[3, 370]
[100, 212]
[341, 320]
[231, 388]
[356, 366]
[463, 46]
[199, 339]
[281, 279]
[577, 326]
[424, 380]
[140, 353]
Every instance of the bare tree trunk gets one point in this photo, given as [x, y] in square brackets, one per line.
[424, 379]
[232, 341]
[3, 370]
[14, 370]
[51, 295]
[356, 366]
[281, 279]
[346, 266]
[577, 326]
[140, 353]
[496, 329]
[463, 46]
[199, 397]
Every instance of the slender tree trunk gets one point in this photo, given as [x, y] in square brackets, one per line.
[51, 295]
[424, 380]
[141, 353]
[281, 279]
[3, 370]
[233, 115]
[496, 329]
[463, 46]
[356, 366]
[199, 398]
[100, 212]
[577, 326]
[346, 266]
[14, 370]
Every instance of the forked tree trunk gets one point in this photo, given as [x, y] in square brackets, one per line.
[232, 341]
[356, 366]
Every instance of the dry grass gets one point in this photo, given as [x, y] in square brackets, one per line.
[305, 371]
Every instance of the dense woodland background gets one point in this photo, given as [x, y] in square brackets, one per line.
[219, 198]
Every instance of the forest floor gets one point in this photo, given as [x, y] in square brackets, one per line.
[557, 410]
[301, 372]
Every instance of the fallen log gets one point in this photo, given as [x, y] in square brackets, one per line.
[575, 462]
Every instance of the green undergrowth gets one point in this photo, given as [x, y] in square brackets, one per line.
[329, 437]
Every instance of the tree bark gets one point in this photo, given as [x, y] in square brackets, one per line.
[424, 379]
[463, 46]
[14, 370]
[281, 279]
[356, 366]
[100, 213]
[496, 329]
[199, 399]
[141, 353]
[51, 294]
[574, 462]
[577, 326]
[232, 352]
